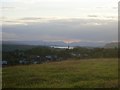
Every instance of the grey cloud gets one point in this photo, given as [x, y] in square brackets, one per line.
[79, 29]
[114, 7]
[30, 18]
[7, 8]
[9, 36]
[92, 16]
[107, 7]
[111, 17]
[100, 7]
[68, 21]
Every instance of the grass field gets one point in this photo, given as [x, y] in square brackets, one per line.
[92, 73]
[0, 77]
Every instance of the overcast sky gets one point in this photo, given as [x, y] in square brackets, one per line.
[65, 20]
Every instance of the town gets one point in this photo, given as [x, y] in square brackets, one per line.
[44, 54]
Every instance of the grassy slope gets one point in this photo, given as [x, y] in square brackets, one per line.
[91, 73]
[0, 77]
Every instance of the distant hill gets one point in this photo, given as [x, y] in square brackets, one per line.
[88, 44]
[56, 43]
[12, 47]
[42, 43]
[112, 45]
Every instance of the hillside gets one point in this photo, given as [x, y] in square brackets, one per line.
[56, 43]
[92, 73]
[12, 47]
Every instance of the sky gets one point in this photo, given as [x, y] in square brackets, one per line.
[60, 20]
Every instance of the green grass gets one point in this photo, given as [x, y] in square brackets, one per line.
[0, 77]
[92, 73]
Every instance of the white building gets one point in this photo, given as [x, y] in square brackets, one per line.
[4, 62]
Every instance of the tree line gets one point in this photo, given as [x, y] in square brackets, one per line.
[62, 54]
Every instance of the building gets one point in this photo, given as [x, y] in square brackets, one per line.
[4, 62]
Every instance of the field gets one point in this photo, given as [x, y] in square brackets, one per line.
[0, 77]
[91, 73]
